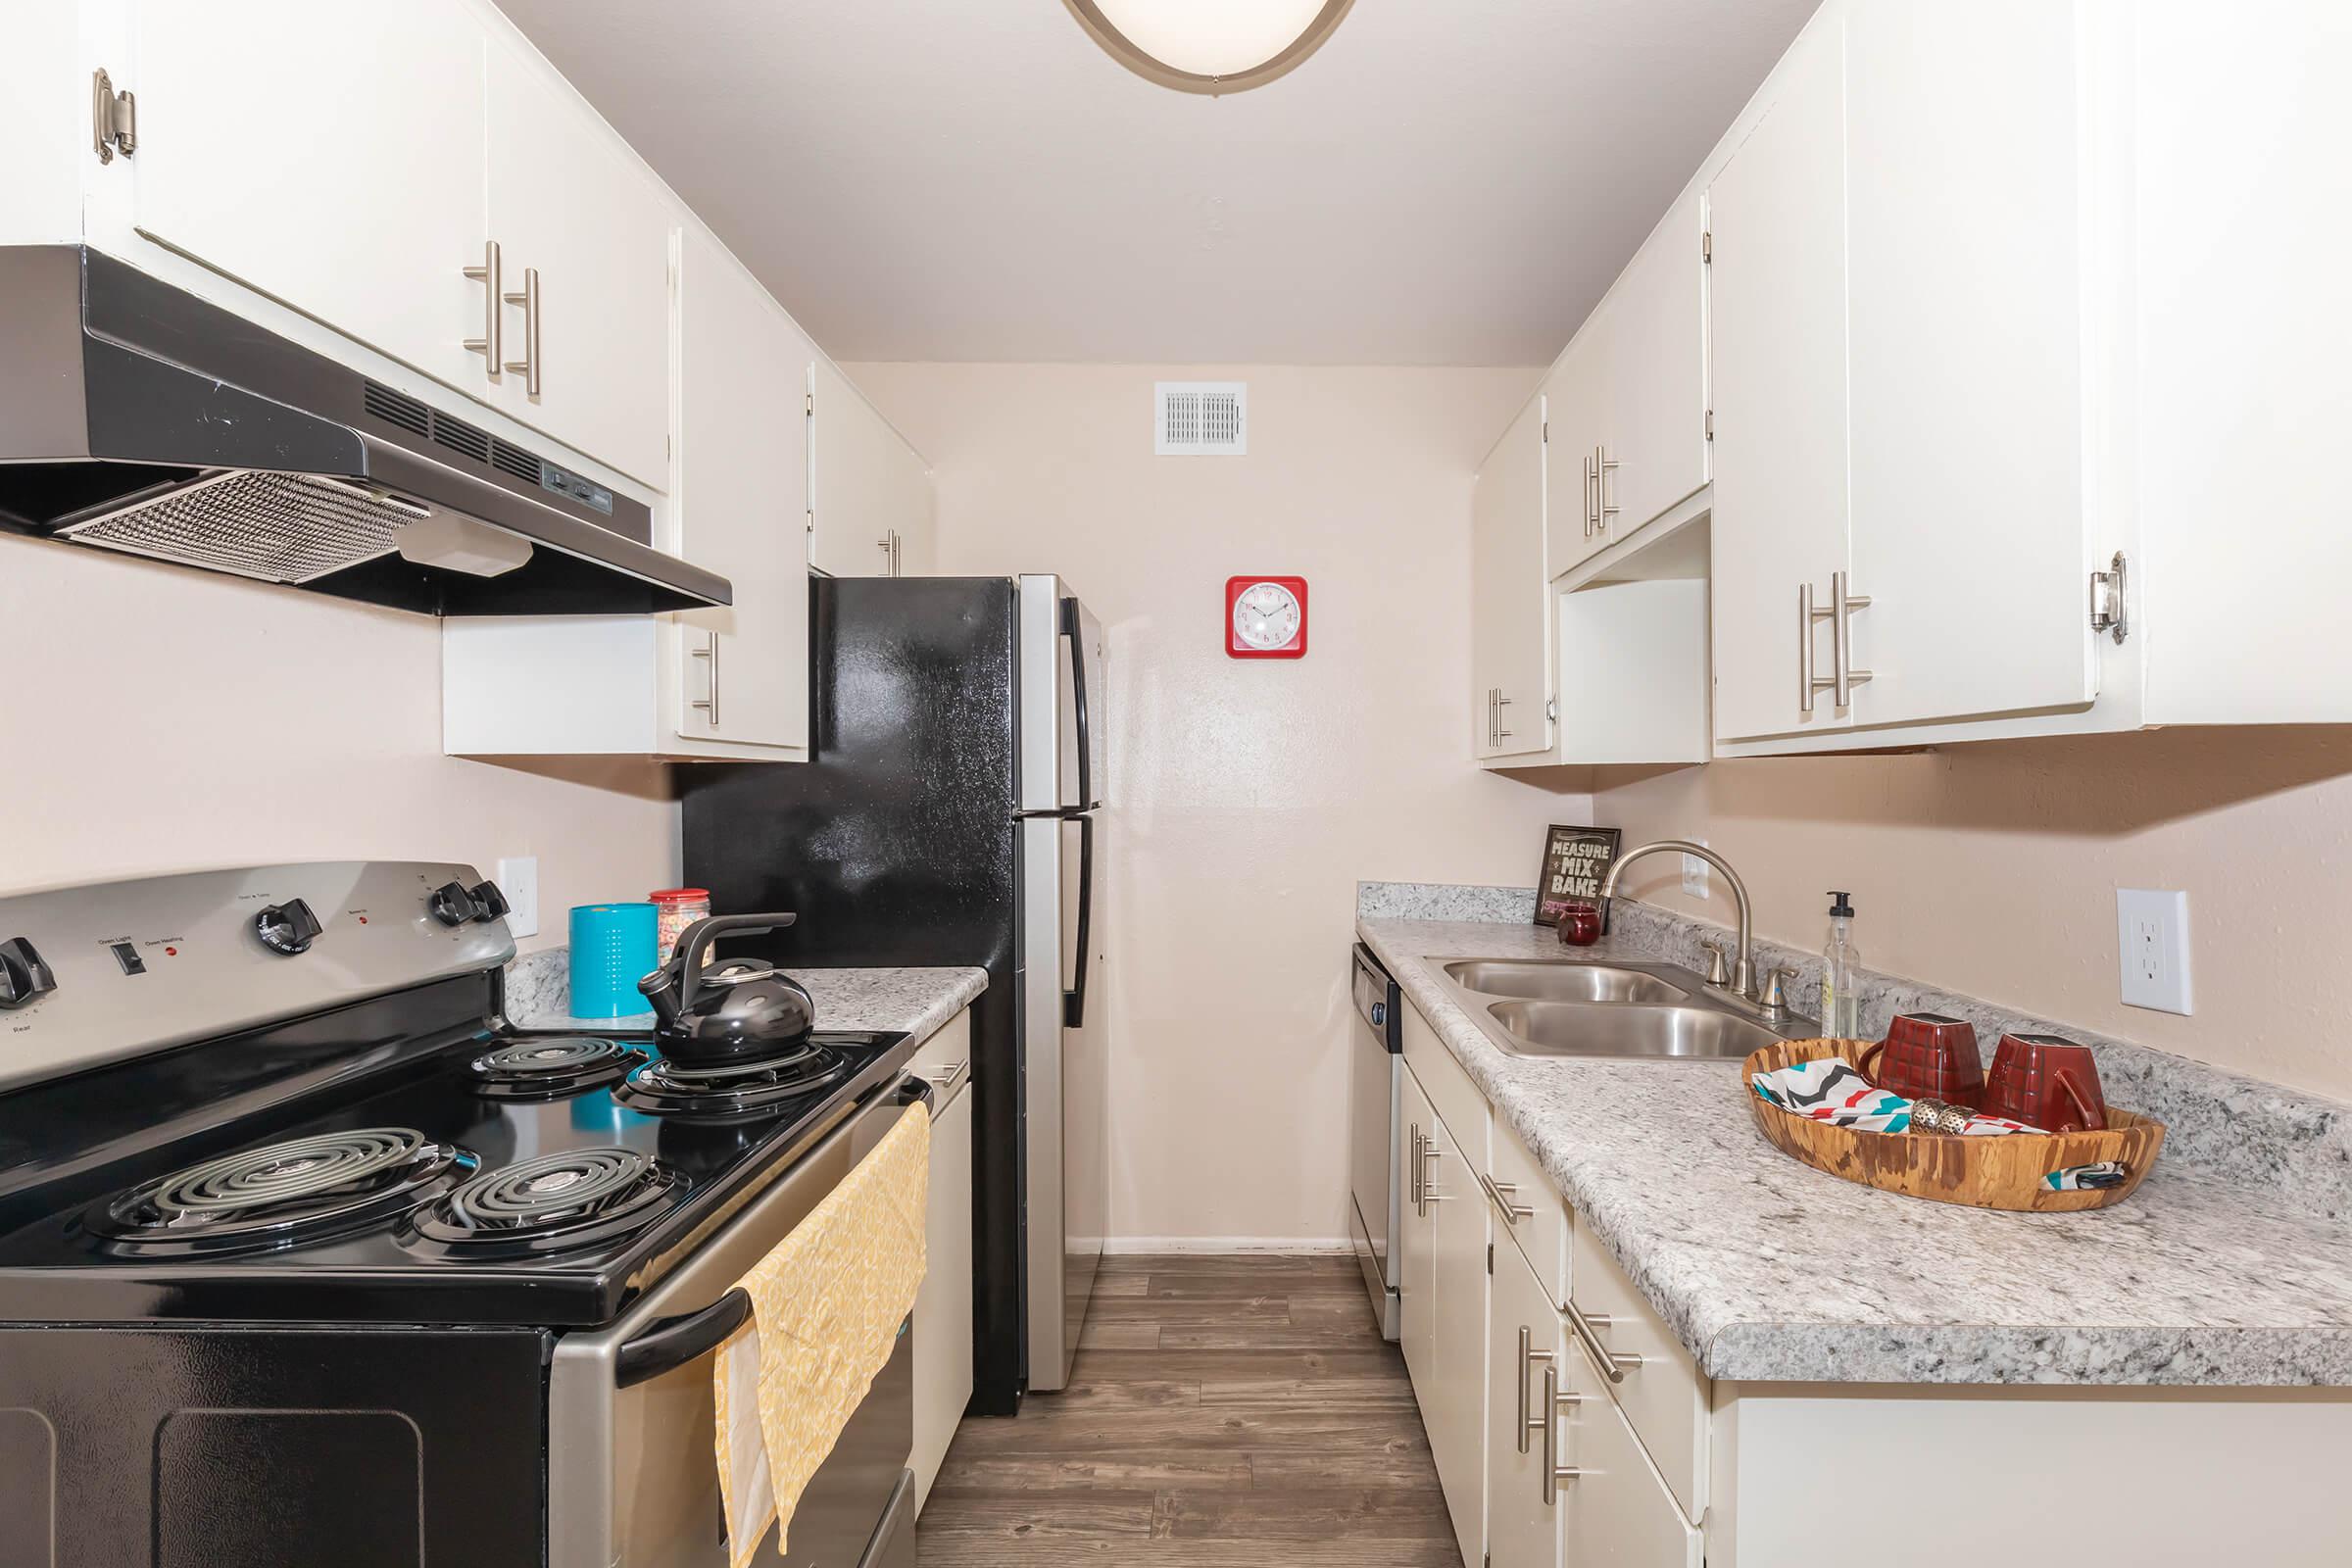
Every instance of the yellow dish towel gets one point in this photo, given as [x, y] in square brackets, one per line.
[826, 1305]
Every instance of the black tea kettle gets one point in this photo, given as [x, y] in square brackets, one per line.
[738, 1012]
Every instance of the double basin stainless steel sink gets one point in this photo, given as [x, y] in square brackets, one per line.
[1629, 1012]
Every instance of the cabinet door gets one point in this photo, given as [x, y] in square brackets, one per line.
[1510, 641]
[743, 668]
[918, 547]
[867, 489]
[1455, 1409]
[1967, 353]
[572, 208]
[1524, 1339]
[1416, 1241]
[330, 156]
[942, 1304]
[1575, 431]
[1655, 426]
[1777, 358]
[1613, 1512]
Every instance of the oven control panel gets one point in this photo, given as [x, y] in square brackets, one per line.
[98, 974]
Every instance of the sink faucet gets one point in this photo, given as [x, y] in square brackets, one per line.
[1743, 971]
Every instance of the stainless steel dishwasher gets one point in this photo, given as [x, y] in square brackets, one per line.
[1375, 1069]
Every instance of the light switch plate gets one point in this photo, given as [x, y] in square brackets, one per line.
[2151, 934]
[518, 880]
[1695, 874]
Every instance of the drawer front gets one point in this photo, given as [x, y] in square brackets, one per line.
[1451, 1093]
[1614, 1513]
[1520, 1185]
[945, 1061]
[1662, 1394]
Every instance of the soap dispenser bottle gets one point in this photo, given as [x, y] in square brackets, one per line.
[1841, 962]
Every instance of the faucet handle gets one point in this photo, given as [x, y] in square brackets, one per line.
[1719, 971]
[1774, 998]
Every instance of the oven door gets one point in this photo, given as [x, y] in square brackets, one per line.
[632, 1479]
[1374, 1067]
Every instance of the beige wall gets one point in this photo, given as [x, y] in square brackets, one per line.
[1991, 869]
[161, 719]
[1252, 794]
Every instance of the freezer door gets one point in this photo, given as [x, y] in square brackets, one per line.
[1067, 1102]
[1063, 684]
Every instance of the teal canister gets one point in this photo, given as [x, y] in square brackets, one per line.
[612, 948]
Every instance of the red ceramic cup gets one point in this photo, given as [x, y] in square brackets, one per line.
[1927, 1055]
[1580, 922]
[2045, 1081]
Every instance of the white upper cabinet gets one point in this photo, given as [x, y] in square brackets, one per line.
[1653, 434]
[1776, 327]
[1575, 521]
[742, 670]
[869, 492]
[329, 156]
[584, 244]
[1964, 289]
[1510, 633]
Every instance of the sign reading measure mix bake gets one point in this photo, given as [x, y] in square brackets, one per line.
[1575, 859]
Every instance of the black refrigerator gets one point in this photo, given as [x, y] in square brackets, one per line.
[952, 812]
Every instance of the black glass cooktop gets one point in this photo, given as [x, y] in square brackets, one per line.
[480, 1178]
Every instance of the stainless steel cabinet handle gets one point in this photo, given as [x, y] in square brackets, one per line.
[1500, 702]
[1553, 1471]
[491, 345]
[1609, 1366]
[1592, 512]
[947, 1078]
[528, 365]
[896, 570]
[709, 705]
[1842, 606]
[1429, 1194]
[1512, 1213]
[1529, 1356]
[1602, 512]
[1412, 1177]
[1808, 683]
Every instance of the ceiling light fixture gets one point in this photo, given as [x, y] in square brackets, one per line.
[1210, 46]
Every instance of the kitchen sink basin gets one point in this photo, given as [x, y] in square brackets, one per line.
[1558, 980]
[1626, 1011]
[1565, 1029]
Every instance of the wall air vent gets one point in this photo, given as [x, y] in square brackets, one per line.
[1201, 418]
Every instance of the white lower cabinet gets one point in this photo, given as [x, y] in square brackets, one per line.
[943, 1307]
[1525, 1345]
[1454, 1407]
[1416, 1238]
[1614, 1508]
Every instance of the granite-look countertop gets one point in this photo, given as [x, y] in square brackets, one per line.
[1768, 1270]
[916, 1001]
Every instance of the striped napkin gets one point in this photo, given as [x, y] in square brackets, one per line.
[1829, 1090]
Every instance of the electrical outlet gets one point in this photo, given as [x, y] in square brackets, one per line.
[2151, 933]
[518, 880]
[1695, 874]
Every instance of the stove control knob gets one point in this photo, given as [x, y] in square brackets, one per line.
[287, 928]
[488, 902]
[452, 905]
[22, 975]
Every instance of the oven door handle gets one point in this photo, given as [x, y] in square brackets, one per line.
[670, 1344]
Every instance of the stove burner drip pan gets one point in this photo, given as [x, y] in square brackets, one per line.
[735, 1092]
[552, 1203]
[282, 1195]
[548, 1069]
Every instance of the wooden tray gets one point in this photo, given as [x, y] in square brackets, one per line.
[1949, 1168]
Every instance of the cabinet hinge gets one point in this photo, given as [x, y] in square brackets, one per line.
[2110, 608]
[1706, 247]
[809, 402]
[1489, 1258]
[1551, 709]
[114, 118]
[1710, 424]
[1547, 429]
[812, 515]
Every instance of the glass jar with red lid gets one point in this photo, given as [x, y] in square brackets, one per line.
[674, 910]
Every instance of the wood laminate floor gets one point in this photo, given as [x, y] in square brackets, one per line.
[1225, 1412]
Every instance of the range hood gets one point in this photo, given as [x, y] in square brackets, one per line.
[136, 417]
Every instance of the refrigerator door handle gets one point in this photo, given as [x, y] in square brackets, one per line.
[1071, 629]
[1073, 1002]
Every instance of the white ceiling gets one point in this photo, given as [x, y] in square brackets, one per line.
[1445, 182]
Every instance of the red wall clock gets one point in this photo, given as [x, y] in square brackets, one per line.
[1265, 617]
